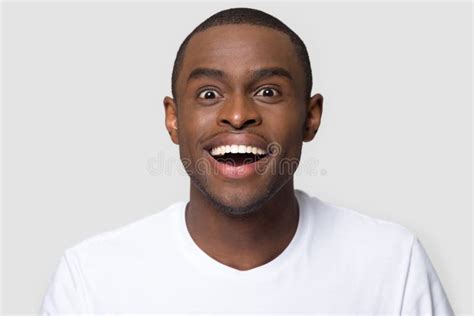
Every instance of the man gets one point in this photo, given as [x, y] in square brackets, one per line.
[247, 241]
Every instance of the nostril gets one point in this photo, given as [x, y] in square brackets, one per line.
[238, 122]
[250, 122]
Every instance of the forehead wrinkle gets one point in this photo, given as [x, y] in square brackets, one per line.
[255, 76]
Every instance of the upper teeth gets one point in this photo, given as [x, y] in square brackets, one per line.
[236, 149]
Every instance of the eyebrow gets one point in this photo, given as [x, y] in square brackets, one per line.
[270, 72]
[257, 75]
[206, 72]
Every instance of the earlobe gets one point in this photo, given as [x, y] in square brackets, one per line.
[171, 119]
[313, 117]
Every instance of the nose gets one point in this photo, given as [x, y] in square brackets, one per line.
[239, 112]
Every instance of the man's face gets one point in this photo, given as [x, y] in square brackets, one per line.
[239, 85]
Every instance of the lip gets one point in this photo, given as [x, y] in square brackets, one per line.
[236, 139]
[237, 172]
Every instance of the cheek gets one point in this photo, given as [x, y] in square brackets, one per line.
[292, 138]
[192, 127]
[287, 122]
[195, 117]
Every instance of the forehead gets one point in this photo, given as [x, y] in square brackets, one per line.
[240, 49]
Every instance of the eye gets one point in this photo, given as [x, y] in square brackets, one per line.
[267, 92]
[208, 94]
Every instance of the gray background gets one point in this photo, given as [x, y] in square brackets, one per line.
[85, 149]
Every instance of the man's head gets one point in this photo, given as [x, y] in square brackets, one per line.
[249, 16]
[241, 78]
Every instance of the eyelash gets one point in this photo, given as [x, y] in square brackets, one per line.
[269, 88]
[207, 89]
[212, 89]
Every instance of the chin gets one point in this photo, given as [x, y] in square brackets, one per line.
[239, 209]
[240, 203]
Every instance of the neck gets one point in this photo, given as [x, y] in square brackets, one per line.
[243, 242]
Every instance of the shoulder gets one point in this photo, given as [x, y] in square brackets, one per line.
[133, 237]
[353, 229]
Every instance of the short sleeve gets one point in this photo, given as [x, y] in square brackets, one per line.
[65, 293]
[424, 293]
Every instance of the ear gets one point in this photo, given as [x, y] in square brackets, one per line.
[171, 118]
[313, 117]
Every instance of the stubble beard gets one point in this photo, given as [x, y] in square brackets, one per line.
[237, 211]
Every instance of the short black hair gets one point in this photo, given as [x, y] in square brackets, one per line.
[251, 17]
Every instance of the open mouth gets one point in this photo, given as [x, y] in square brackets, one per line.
[237, 155]
[238, 159]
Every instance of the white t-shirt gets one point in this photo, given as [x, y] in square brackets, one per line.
[338, 261]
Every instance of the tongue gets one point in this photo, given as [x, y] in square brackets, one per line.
[237, 159]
